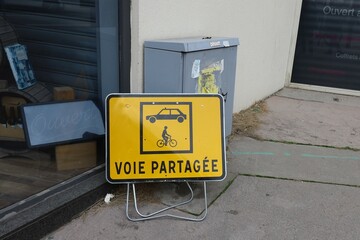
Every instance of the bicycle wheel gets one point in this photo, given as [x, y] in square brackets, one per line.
[172, 143]
[160, 143]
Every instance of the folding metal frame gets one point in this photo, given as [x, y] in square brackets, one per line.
[162, 212]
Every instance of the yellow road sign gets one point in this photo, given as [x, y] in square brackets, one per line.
[164, 137]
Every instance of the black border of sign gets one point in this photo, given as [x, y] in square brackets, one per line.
[142, 131]
[194, 179]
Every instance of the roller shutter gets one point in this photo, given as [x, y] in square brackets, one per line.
[61, 37]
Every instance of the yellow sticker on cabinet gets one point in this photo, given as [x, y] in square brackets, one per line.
[164, 137]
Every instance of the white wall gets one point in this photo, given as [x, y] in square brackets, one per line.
[266, 29]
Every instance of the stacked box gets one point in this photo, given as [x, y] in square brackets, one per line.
[11, 127]
[78, 155]
[75, 156]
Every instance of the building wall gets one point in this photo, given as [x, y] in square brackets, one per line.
[267, 32]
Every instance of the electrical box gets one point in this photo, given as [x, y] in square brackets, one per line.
[193, 65]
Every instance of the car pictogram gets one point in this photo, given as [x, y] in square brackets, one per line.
[167, 114]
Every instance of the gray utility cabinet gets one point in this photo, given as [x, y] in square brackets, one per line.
[192, 65]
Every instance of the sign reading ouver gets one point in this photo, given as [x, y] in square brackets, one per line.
[164, 137]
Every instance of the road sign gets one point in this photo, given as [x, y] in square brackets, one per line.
[164, 137]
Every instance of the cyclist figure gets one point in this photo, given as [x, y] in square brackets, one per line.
[165, 135]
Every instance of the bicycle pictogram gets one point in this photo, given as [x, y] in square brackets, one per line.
[166, 139]
[172, 142]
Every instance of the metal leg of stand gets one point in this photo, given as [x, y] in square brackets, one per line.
[164, 209]
[157, 214]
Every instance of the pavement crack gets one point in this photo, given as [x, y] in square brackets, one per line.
[306, 144]
[224, 190]
[299, 99]
[209, 204]
[298, 180]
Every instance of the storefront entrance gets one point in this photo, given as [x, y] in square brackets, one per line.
[328, 44]
[55, 53]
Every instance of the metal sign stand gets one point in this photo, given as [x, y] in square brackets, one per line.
[160, 213]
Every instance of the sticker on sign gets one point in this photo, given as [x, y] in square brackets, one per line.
[164, 137]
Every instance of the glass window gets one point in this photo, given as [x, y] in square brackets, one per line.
[54, 51]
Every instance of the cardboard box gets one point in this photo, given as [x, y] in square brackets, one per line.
[11, 101]
[76, 156]
[63, 93]
[14, 132]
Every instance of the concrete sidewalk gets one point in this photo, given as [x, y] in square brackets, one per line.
[280, 185]
[314, 118]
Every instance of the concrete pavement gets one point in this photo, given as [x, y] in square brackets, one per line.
[280, 185]
[314, 118]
